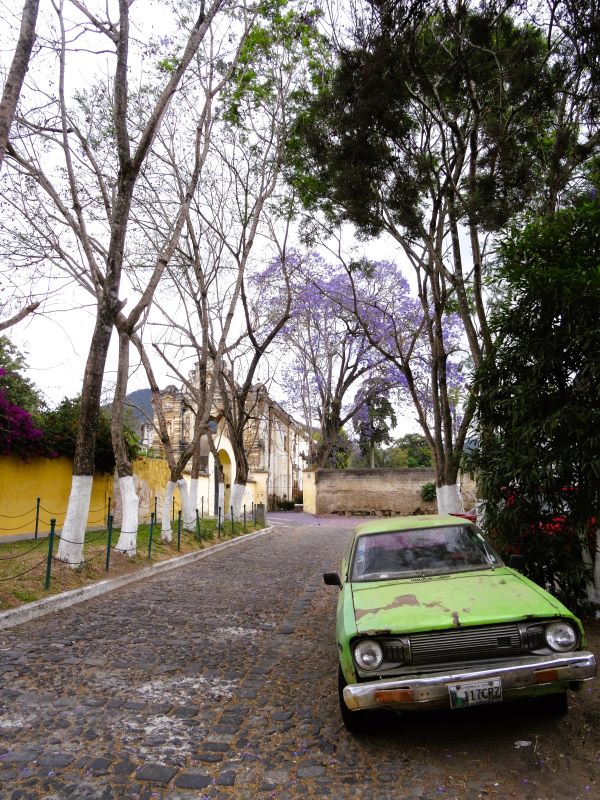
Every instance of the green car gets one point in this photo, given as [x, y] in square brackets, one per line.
[428, 616]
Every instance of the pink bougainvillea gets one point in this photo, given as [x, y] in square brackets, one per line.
[18, 433]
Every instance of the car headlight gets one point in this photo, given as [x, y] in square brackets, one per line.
[561, 636]
[368, 654]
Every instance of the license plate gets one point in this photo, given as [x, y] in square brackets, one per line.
[475, 693]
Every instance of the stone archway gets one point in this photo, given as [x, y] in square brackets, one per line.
[226, 467]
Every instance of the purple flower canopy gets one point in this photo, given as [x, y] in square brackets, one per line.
[353, 325]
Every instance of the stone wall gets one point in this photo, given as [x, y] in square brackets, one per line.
[380, 492]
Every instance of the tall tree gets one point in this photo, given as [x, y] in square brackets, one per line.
[425, 344]
[438, 124]
[17, 71]
[538, 414]
[200, 100]
[330, 358]
[373, 424]
[83, 169]
[243, 201]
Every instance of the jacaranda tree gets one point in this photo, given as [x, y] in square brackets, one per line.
[332, 368]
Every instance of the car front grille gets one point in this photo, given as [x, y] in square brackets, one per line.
[463, 644]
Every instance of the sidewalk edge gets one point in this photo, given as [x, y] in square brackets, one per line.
[39, 608]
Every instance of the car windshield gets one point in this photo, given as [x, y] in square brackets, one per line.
[424, 551]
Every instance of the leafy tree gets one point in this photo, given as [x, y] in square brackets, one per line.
[332, 367]
[18, 389]
[373, 422]
[438, 124]
[59, 427]
[19, 434]
[410, 451]
[538, 462]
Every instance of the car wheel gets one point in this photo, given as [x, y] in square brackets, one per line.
[356, 722]
[555, 705]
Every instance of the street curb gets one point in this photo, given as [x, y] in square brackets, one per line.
[16, 616]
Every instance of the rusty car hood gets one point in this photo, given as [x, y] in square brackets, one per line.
[444, 601]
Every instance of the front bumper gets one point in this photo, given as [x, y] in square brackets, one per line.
[519, 676]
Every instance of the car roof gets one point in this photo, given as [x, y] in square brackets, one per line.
[391, 524]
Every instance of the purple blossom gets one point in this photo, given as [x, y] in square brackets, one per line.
[18, 433]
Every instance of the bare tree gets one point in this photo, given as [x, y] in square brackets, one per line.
[186, 187]
[207, 277]
[241, 400]
[21, 314]
[78, 178]
[17, 72]
[239, 203]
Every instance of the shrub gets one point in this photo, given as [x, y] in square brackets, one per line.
[428, 492]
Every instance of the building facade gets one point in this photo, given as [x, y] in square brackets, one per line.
[276, 445]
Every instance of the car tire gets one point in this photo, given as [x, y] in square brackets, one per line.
[355, 722]
[554, 705]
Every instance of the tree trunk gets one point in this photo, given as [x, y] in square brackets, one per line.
[237, 498]
[221, 496]
[71, 549]
[449, 499]
[17, 72]
[129, 524]
[129, 500]
[166, 533]
[188, 510]
[193, 492]
[72, 538]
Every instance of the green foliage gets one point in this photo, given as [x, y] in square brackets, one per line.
[416, 451]
[373, 423]
[283, 41]
[168, 64]
[18, 389]
[408, 452]
[538, 461]
[358, 149]
[285, 505]
[428, 493]
[60, 433]
[337, 449]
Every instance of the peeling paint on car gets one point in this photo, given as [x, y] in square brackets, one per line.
[393, 604]
[496, 595]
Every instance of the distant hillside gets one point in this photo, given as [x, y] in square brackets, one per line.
[140, 403]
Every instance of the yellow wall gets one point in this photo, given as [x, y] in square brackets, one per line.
[309, 492]
[22, 482]
[259, 494]
[151, 476]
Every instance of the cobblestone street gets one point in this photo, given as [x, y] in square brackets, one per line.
[218, 680]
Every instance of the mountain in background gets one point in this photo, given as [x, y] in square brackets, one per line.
[140, 403]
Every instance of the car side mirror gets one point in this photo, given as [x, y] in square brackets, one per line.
[516, 561]
[332, 579]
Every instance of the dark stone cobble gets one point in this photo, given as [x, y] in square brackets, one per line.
[218, 680]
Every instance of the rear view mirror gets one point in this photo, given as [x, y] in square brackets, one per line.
[332, 579]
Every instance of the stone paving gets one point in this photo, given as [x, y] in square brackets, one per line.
[219, 680]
